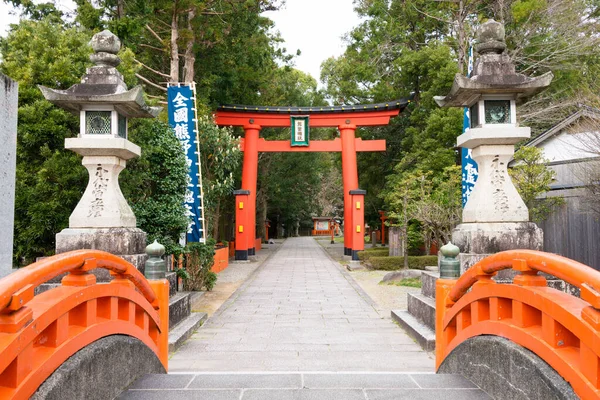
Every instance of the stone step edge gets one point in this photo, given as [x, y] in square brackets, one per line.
[180, 333]
[423, 301]
[415, 329]
[180, 307]
[428, 280]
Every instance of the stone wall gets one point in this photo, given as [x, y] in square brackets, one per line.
[101, 370]
[505, 370]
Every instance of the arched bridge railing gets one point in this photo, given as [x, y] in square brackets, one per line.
[38, 333]
[560, 328]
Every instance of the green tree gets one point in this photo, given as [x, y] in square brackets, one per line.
[397, 51]
[50, 180]
[155, 183]
[221, 160]
[532, 178]
[440, 209]
[403, 192]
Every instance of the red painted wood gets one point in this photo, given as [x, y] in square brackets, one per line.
[335, 145]
[349, 178]
[372, 118]
[249, 178]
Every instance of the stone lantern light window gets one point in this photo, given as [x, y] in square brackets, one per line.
[102, 121]
[493, 110]
[497, 111]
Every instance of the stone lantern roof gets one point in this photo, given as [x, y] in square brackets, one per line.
[493, 74]
[103, 84]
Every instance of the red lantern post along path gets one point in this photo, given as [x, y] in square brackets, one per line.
[345, 118]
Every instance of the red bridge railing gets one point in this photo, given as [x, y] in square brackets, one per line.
[560, 328]
[38, 333]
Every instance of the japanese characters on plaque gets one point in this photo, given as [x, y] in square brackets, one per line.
[300, 131]
[182, 118]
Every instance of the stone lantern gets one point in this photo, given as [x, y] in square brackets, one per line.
[495, 218]
[103, 220]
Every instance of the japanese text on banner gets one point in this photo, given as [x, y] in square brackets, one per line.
[181, 119]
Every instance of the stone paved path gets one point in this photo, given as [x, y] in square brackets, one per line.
[300, 311]
[303, 386]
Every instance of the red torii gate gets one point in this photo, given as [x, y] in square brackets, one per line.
[345, 118]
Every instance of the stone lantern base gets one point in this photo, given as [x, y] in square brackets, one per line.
[478, 240]
[127, 243]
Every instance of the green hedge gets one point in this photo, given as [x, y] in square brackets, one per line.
[394, 263]
[375, 252]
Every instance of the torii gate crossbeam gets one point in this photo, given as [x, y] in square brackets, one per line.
[345, 118]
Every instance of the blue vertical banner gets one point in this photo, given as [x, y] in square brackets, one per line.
[183, 120]
[469, 166]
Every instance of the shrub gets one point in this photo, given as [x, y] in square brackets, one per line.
[199, 259]
[375, 252]
[394, 263]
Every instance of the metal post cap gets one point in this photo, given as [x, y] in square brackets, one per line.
[155, 249]
[449, 265]
[450, 250]
[156, 267]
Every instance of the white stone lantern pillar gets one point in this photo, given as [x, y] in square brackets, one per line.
[103, 220]
[495, 218]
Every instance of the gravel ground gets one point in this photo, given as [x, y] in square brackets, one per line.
[387, 297]
[230, 279]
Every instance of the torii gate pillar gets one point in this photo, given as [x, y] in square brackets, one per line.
[350, 181]
[249, 179]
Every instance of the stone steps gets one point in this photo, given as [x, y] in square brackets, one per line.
[422, 308]
[303, 385]
[180, 307]
[419, 320]
[186, 328]
[416, 329]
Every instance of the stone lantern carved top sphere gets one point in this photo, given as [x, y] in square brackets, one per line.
[490, 38]
[106, 46]
[103, 84]
[105, 41]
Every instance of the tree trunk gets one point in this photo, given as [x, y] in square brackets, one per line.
[462, 50]
[189, 59]
[261, 200]
[174, 47]
[215, 221]
[427, 238]
[394, 240]
[120, 9]
[405, 233]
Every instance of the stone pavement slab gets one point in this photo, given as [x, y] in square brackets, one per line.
[303, 386]
[300, 311]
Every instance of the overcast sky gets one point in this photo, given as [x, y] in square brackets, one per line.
[315, 27]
